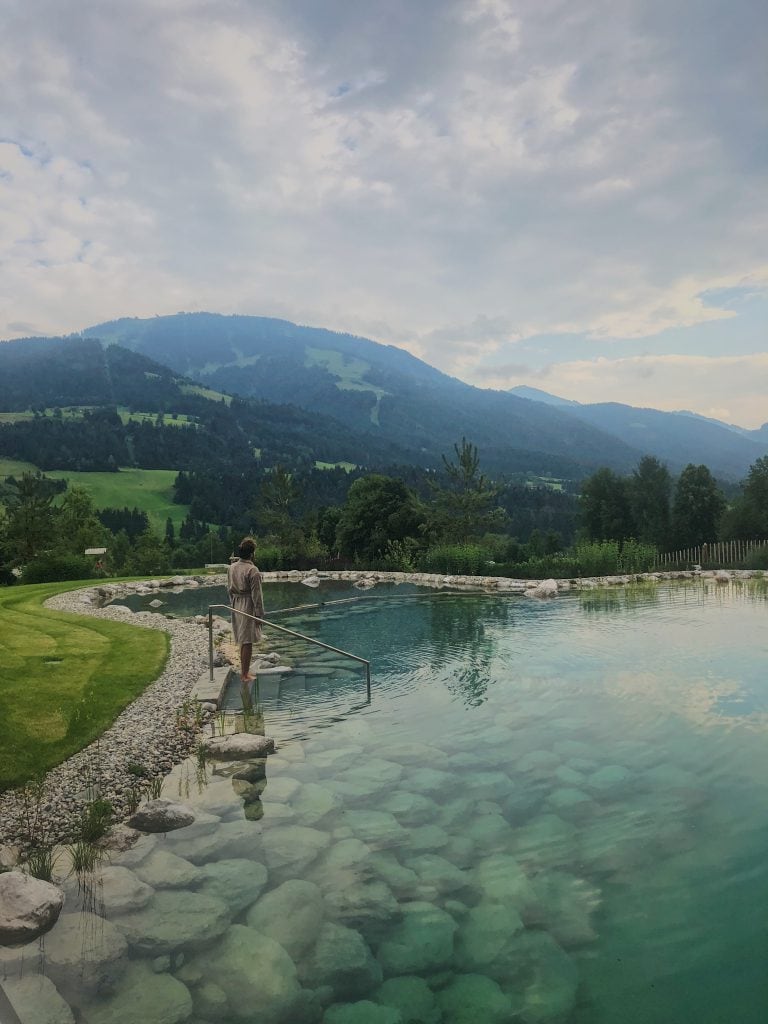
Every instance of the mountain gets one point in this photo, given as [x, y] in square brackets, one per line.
[379, 391]
[537, 395]
[677, 438]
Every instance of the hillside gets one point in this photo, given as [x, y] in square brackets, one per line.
[377, 390]
[675, 437]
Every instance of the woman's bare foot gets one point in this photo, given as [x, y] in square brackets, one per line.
[247, 679]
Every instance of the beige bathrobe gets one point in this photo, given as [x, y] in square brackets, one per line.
[244, 586]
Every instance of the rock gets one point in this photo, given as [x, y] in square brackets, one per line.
[363, 1012]
[485, 940]
[545, 589]
[365, 905]
[402, 880]
[341, 958]
[551, 994]
[431, 781]
[422, 941]
[376, 828]
[426, 838]
[439, 873]
[311, 581]
[238, 747]
[490, 833]
[294, 846]
[473, 997]
[84, 954]
[547, 841]
[210, 1001]
[409, 808]
[174, 920]
[156, 603]
[237, 882]
[291, 915]
[9, 857]
[142, 996]
[120, 890]
[313, 802]
[165, 870]
[723, 576]
[36, 1000]
[161, 816]
[609, 778]
[413, 997]
[565, 907]
[29, 907]
[501, 880]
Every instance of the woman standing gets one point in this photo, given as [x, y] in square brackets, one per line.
[244, 586]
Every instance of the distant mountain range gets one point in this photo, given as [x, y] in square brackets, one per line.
[384, 400]
[674, 437]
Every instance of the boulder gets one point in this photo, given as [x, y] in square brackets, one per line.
[238, 747]
[291, 915]
[377, 828]
[161, 816]
[29, 907]
[165, 870]
[84, 955]
[412, 996]
[545, 589]
[341, 958]
[293, 846]
[485, 942]
[473, 997]
[422, 941]
[142, 996]
[364, 1012]
[174, 920]
[236, 882]
[257, 975]
[36, 1000]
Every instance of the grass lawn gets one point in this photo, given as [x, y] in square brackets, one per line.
[148, 489]
[63, 678]
[12, 467]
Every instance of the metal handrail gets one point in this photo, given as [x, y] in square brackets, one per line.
[283, 629]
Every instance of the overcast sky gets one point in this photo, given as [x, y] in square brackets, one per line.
[569, 195]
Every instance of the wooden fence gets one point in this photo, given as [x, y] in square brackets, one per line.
[722, 554]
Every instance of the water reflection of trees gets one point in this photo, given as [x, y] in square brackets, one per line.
[459, 632]
[624, 599]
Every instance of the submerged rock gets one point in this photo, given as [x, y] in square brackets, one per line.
[36, 1000]
[363, 1012]
[121, 890]
[291, 915]
[485, 942]
[257, 975]
[237, 882]
[422, 941]
[84, 955]
[473, 997]
[142, 996]
[173, 921]
[29, 907]
[342, 959]
[240, 746]
[413, 997]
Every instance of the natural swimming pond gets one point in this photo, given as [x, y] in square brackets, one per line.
[549, 812]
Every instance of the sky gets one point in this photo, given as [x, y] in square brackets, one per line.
[566, 195]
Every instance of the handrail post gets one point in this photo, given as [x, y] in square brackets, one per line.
[210, 643]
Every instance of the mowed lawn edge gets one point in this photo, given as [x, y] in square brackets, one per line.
[64, 678]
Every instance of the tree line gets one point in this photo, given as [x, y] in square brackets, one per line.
[455, 519]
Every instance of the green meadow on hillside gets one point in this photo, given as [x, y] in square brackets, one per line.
[150, 490]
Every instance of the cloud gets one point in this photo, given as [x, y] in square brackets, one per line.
[454, 177]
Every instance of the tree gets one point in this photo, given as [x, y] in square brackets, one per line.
[379, 509]
[170, 533]
[650, 491]
[697, 508]
[278, 497]
[30, 517]
[467, 507]
[748, 519]
[77, 523]
[605, 507]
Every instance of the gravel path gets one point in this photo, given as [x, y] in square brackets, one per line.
[145, 733]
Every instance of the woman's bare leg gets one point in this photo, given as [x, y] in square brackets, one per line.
[245, 662]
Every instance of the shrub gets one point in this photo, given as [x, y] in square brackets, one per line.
[96, 819]
[456, 559]
[52, 568]
[757, 559]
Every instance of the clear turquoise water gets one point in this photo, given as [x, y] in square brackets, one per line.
[585, 778]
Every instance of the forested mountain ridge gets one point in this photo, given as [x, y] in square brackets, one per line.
[675, 437]
[377, 389]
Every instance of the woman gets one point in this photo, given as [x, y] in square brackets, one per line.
[244, 586]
